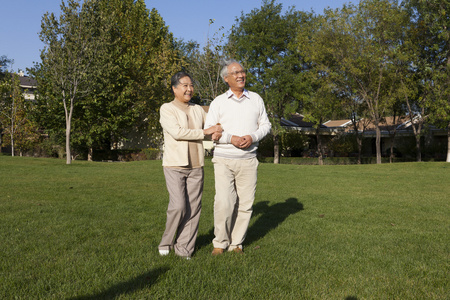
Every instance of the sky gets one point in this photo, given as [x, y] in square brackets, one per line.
[20, 21]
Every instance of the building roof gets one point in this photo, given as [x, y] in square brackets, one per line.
[27, 82]
[297, 120]
[337, 123]
[388, 123]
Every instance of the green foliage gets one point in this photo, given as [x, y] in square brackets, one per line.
[431, 20]
[262, 40]
[110, 77]
[351, 50]
[20, 132]
[91, 231]
[152, 154]
[204, 65]
[70, 62]
[343, 143]
[50, 146]
[4, 62]
[292, 143]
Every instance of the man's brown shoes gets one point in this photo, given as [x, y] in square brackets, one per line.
[238, 250]
[217, 251]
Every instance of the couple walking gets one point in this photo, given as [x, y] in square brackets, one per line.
[236, 122]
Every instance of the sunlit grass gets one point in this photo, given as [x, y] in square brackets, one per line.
[91, 230]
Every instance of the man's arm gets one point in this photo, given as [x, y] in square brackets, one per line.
[212, 119]
[264, 125]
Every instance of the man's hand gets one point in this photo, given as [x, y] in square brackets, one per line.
[236, 141]
[213, 129]
[246, 141]
[242, 142]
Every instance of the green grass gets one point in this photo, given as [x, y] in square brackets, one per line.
[91, 230]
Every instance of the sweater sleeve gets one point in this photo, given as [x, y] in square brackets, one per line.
[172, 124]
[264, 125]
[212, 118]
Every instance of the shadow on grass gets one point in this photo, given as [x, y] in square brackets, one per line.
[204, 240]
[145, 280]
[269, 218]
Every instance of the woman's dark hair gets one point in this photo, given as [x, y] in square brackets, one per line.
[175, 80]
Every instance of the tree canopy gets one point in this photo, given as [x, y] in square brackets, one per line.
[107, 66]
[263, 41]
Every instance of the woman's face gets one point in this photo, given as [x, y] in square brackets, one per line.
[184, 90]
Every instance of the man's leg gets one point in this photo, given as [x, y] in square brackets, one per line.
[224, 202]
[246, 178]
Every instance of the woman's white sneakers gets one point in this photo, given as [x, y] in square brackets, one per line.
[163, 252]
[166, 252]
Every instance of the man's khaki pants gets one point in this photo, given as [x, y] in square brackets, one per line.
[235, 192]
[185, 188]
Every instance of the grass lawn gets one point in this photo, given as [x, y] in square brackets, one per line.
[91, 230]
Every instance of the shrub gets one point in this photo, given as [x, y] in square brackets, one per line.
[152, 153]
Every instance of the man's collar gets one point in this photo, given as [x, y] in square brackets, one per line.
[231, 94]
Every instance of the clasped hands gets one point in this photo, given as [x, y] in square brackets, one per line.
[242, 142]
[215, 132]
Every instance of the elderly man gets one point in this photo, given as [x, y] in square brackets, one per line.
[244, 121]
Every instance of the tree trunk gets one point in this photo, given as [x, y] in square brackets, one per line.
[418, 151]
[276, 149]
[68, 154]
[90, 153]
[359, 141]
[68, 114]
[391, 156]
[12, 141]
[378, 142]
[319, 146]
[448, 143]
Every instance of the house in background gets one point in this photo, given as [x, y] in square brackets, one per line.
[28, 86]
[395, 132]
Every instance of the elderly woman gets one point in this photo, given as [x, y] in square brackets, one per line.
[183, 159]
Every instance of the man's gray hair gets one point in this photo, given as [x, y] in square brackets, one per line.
[225, 63]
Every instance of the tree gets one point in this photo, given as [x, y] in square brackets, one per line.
[122, 58]
[4, 62]
[139, 60]
[320, 100]
[262, 40]
[14, 115]
[431, 23]
[352, 50]
[73, 46]
[360, 118]
[205, 65]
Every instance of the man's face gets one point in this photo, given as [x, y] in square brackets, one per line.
[184, 90]
[236, 77]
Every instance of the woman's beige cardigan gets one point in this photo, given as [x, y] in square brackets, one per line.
[177, 134]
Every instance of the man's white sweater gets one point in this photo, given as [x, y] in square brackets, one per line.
[244, 116]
